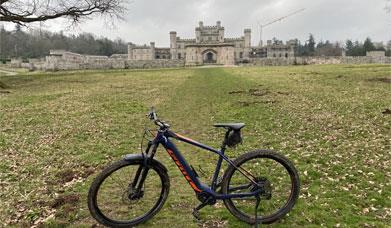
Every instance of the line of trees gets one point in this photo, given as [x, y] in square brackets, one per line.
[327, 48]
[37, 43]
[360, 49]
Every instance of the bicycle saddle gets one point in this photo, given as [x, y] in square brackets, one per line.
[233, 126]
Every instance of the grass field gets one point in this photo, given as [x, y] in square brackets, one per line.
[58, 130]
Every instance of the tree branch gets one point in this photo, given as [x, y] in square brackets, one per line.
[21, 12]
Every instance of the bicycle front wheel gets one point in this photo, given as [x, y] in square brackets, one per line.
[114, 201]
[279, 184]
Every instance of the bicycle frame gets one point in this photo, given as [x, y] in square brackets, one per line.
[163, 137]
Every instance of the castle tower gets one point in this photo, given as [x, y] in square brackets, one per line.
[173, 45]
[247, 43]
[221, 32]
[198, 32]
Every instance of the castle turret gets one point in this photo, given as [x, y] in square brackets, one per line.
[198, 32]
[173, 45]
[221, 32]
[247, 43]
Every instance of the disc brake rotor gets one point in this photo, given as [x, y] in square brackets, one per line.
[264, 186]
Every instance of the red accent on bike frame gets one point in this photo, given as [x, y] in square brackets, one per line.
[183, 137]
[193, 186]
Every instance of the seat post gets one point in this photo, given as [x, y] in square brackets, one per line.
[224, 144]
[219, 161]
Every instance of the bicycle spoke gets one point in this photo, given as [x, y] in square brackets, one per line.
[117, 182]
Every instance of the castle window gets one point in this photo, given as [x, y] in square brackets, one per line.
[241, 56]
[280, 57]
[274, 55]
[286, 56]
[158, 57]
[179, 57]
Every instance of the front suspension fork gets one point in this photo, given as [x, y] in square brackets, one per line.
[143, 169]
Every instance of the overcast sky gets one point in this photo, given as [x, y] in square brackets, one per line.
[336, 20]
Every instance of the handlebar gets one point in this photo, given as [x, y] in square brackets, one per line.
[153, 116]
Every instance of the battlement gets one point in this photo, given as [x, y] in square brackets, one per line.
[234, 39]
[202, 27]
[141, 47]
[280, 44]
[134, 46]
[210, 27]
[186, 40]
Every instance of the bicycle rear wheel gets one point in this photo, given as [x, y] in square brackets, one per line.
[278, 178]
[114, 201]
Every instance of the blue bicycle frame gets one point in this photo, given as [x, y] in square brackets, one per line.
[163, 137]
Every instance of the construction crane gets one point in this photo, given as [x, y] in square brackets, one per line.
[262, 26]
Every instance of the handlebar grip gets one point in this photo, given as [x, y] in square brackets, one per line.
[153, 116]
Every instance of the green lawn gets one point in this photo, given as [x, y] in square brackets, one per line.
[58, 130]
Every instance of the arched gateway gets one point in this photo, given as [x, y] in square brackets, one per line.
[209, 56]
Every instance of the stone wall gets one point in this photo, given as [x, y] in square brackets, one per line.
[57, 63]
[157, 63]
[317, 60]
[16, 63]
[72, 61]
[376, 53]
[365, 60]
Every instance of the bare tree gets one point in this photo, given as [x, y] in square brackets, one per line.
[27, 11]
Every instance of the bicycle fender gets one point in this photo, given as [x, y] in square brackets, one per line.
[130, 157]
[142, 157]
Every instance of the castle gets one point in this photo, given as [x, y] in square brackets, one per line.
[211, 47]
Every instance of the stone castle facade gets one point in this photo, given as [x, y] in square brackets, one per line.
[210, 46]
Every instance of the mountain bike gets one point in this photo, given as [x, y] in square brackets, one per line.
[132, 190]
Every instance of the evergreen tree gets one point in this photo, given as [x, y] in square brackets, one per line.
[358, 49]
[311, 45]
[368, 45]
[349, 47]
